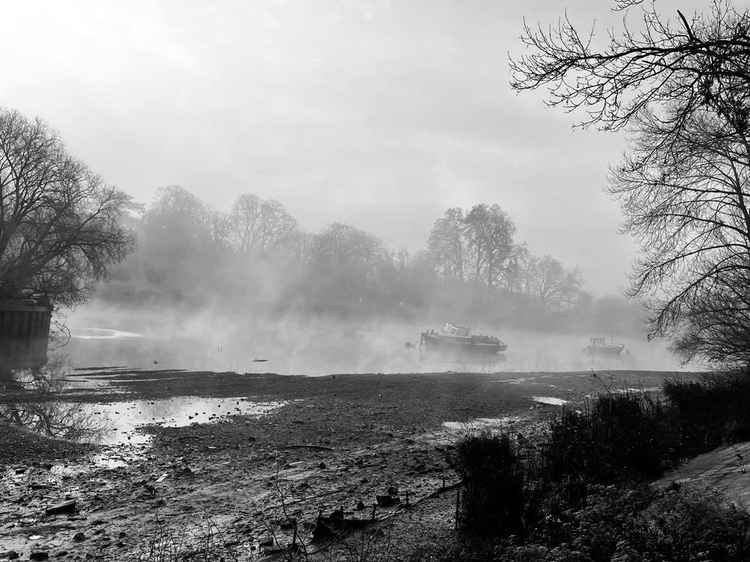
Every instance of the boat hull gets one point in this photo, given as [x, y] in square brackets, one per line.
[605, 350]
[458, 345]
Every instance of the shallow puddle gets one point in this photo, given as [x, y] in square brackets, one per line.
[102, 334]
[549, 400]
[121, 420]
[629, 390]
[479, 424]
[118, 423]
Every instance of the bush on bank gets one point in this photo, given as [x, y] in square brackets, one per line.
[710, 412]
[493, 494]
[583, 495]
[618, 437]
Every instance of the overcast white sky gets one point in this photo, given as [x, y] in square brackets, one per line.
[376, 113]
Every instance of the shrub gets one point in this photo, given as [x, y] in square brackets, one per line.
[584, 497]
[493, 498]
[693, 525]
[618, 437]
[711, 412]
[640, 524]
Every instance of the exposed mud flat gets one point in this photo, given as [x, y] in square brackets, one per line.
[320, 444]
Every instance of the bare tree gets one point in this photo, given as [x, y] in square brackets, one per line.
[472, 246]
[554, 286]
[60, 224]
[718, 321]
[681, 88]
[489, 234]
[346, 266]
[344, 245]
[181, 239]
[519, 270]
[259, 225]
[446, 244]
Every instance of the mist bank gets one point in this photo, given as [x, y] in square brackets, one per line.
[241, 341]
[248, 290]
[472, 270]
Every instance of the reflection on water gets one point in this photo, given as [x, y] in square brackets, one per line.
[102, 334]
[35, 404]
[119, 422]
[478, 424]
[317, 346]
[122, 420]
[549, 400]
[36, 409]
[53, 419]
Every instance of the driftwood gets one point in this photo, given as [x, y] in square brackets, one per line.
[336, 524]
[64, 507]
[387, 500]
[311, 447]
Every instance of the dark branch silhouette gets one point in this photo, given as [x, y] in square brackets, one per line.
[683, 96]
[59, 223]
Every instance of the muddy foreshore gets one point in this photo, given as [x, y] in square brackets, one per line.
[245, 484]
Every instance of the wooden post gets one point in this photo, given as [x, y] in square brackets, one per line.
[458, 503]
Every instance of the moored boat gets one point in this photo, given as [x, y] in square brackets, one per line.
[459, 341]
[598, 347]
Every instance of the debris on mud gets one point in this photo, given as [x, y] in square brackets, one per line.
[336, 456]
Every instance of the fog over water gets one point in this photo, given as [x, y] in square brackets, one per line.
[383, 116]
[319, 346]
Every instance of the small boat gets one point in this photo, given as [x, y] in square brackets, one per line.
[459, 341]
[598, 347]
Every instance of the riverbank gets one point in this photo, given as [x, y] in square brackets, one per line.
[333, 443]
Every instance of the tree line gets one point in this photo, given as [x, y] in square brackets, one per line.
[256, 255]
[65, 235]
